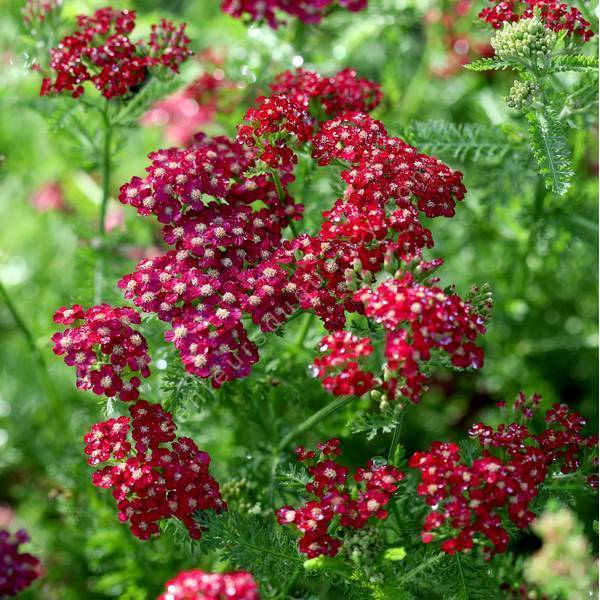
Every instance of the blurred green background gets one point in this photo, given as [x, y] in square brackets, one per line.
[538, 252]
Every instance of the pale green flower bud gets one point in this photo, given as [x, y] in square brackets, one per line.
[524, 39]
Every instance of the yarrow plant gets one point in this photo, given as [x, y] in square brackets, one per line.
[308, 11]
[18, 570]
[153, 474]
[101, 52]
[230, 260]
[338, 505]
[108, 355]
[198, 585]
[557, 16]
[469, 499]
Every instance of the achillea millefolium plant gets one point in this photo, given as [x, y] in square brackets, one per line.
[292, 333]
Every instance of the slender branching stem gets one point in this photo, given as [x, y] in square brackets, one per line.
[315, 418]
[106, 168]
[42, 368]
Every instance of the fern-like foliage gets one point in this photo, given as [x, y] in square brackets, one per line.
[572, 62]
[491, 64]
[551, 150]
[467, 141]
[180, 389]
[254, 544]
[375, 423]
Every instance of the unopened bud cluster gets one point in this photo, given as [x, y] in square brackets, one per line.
[527, 38]
[522, 94]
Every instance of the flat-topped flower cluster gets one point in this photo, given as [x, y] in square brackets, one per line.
[469, 500]
[351, 503]
[100, 51]
[230, 260]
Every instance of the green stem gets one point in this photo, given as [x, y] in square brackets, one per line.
[315, 418]
[277, 181]
[396, 436]
[420, 567]
[106, 168]
[304, 331]
[43, 374]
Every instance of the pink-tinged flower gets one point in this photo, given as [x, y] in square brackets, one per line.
[101, 52]
[154, 474]
[48, 197]
[469, 499]
[35, 12]
[115, 219]
[108, 355]
[184, 113]
[199, 585]
[18, 570]
[556, 15]
[332, 493]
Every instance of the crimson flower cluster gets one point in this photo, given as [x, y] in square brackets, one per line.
[556, 15]
[338, 504]
[100, 51]
[109, 356]
[153, 474]
[18, 569]
[229, 259]
[417, 319]
[469, 500]
[199, 585]
[338, 367]
[309, 11]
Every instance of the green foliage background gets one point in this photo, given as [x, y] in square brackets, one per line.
[536, 250]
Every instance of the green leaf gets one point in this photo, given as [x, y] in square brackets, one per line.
[467, 141]
[551, 149]
[490, 64]
[572, 62]
[395, 554]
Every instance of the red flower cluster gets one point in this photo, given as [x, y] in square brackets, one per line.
[198, 585]
[556, 15]
[435, 321]
[338, 368]
[157, 475]
[309, 11]
[229, 259]
[334, 95]
[469, 499]
[107, 353]
[100, 51]
[336, 497]
[18, 569]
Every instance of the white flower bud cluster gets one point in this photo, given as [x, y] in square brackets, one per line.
[522, 94]
[527, 38]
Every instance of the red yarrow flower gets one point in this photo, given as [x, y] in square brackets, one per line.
[153, 474]
[18, 570]
[199, 585]
[355, 500]
[556, 15]
[470, 499]
[107, 353]
[100, 51]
